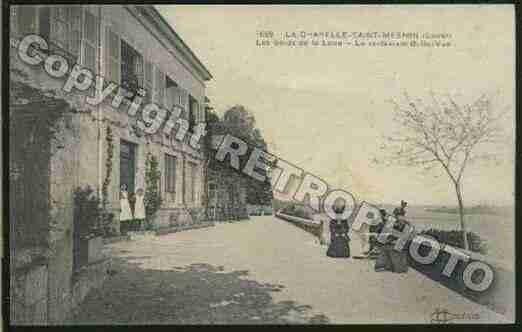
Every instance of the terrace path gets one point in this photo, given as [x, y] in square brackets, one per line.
[260, 271]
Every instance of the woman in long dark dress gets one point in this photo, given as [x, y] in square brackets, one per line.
[339, 240]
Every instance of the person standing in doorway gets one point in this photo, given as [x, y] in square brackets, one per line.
[125, 211]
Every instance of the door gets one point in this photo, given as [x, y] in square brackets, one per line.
[127, 165]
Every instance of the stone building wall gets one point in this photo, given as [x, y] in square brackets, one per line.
[42, 278]
[45, 291]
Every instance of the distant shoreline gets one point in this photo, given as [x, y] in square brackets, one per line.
[473, 210]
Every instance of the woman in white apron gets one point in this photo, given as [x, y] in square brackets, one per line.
[125, 211]
[139, 210]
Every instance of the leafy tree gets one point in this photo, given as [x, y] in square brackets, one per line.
[439, 132]
[240, 122]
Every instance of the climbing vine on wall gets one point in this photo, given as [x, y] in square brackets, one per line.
[107, 218]
[152, 197]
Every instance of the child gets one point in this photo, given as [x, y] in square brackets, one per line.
[125, 211]
[139, 210]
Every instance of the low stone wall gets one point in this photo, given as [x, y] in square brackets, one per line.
[178, 219]
[43, 290]
[309, 225]
[499, 297]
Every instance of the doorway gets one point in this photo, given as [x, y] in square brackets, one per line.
[127, 165]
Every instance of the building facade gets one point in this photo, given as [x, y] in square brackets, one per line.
[94, 144]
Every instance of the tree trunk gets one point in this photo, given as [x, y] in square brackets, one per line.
[458, 191]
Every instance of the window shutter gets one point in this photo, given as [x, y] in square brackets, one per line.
[13, 19]
[148, 80]
[159, 87]
[138, 69]
[170, 173]
[112, 56]
[90, 41]
[181, 97]
[75, 30]
[202, 112]
[167, 173]
[27, 20]
[196, 106]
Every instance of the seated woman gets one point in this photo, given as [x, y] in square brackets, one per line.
[339, 242]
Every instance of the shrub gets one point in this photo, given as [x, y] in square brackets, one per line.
[454, 238]
[152, 199]
[87, 211]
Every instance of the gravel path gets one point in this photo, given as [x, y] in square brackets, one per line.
[262, 271]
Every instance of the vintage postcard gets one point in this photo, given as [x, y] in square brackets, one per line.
[268, 164]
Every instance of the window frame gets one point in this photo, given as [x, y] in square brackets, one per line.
[171, 164]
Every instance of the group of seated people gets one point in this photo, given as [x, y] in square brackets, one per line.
[386, 257]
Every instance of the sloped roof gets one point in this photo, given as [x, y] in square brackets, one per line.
[154, 17]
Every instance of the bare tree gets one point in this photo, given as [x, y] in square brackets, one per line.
[439, 132]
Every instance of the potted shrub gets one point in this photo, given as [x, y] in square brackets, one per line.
[87, 223]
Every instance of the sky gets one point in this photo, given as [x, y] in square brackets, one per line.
[326, 108]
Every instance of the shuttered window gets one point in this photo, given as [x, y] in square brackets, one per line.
[170, 173]
[112, 56]
[90, 40]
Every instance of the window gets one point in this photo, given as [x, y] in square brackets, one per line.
[191, 183]
[90, 40]
[112, 56]
[131, 67]
[170, 173]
